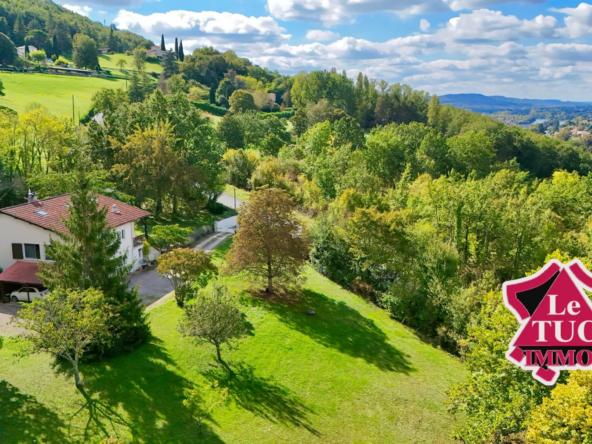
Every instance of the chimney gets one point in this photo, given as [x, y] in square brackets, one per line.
[31, 196]
[115, 210]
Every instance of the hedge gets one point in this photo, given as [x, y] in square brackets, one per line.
[212, 109]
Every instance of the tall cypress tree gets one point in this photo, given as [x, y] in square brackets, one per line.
[54, 44]
[176, 46]
[162, 47]
[181, 53]
[87, 257]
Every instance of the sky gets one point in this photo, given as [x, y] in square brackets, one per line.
[529, 49]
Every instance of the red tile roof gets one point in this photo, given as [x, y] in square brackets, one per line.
[21, 273]
[55, 208]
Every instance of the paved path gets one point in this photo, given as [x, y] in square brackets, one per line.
[228, 200]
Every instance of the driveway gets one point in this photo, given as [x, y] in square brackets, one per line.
[228, 200]
[6, 312]
[152, 287]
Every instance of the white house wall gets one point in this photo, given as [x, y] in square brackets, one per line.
[16, 231]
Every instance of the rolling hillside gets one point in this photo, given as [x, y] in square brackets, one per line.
[53, 92]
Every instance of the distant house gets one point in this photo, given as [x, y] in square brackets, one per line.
[26, 229]
[21, 50]
[577, 133]
[155, 51]
[104, 50]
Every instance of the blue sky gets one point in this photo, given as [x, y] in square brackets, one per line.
[534, 48]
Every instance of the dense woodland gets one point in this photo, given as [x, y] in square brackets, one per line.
[422, 209]
[50, 27]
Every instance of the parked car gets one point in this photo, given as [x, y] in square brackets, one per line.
[27, 294]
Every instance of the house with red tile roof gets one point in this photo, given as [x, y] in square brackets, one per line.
[26, 230]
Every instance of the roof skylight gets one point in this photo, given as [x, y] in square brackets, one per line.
[41, 213]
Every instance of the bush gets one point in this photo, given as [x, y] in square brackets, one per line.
[286, 114]
[212, 109]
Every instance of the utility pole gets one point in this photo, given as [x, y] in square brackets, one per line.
[73, 118]
[234, 198]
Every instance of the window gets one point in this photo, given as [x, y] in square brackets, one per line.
[17, 251]
[41, 213]
[123, 234]
[32, 251]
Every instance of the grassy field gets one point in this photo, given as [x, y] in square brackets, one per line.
[53, 92]
[108, 61]
[347, 375]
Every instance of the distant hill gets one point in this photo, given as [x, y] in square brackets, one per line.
[46, 25]
[492, 104]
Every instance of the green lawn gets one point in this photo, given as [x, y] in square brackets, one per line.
[52, 91]
[347, 375]
[108, 61]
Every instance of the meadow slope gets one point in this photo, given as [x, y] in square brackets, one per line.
[350, 374]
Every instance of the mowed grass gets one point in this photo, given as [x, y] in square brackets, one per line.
[54, 92]
[349, 374]
[109, 61]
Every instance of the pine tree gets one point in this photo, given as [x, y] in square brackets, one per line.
[27, 51]
[181, 53]
[162, 46]
[176, 46]
[86, 256]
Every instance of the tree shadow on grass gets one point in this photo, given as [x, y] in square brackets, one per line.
[339, 326]
[264, 397]
[24, 419]
[147, 395]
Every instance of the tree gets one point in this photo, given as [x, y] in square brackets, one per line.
[19, 30]
[225, 89]
[38, 55]
[166, 237]
[87, 256]
[565, 417]
[162, 45]
[181, 52]
[184, 266]
[498, 397]
[472, 151]
[148, 164]
[4, 28]
[140, 58]
[8, 52]
[86, 54]
[169, 64]
[203, 400]
[176, 84]
[241, 101]
[176, 46]
[214, 316]
[54, 46]
[271, 242]
[121, 63]
[66, 323]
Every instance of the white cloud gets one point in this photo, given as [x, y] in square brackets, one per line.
[82, 10]
[103, 12]
[486, 25]
[578, 22]
[424, 25]
[221, 29]
[320, 35]
[457, 5]
[332, 12]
